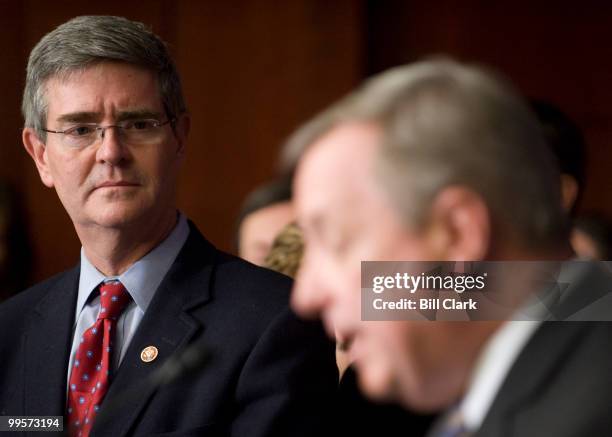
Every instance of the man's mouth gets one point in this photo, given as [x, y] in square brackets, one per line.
[114, 184]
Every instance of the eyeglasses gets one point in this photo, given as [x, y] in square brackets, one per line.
[132, 132]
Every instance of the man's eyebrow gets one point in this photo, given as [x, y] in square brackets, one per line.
[138, 114]
[79, 117]
[95, 117]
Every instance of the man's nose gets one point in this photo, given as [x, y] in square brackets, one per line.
[310, 295]
[111, 149]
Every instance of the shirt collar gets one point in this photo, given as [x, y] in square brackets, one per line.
[492, 367]
[143, 277]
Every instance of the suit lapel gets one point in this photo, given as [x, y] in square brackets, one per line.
[168, 326]
[47, 348]
[535, 366]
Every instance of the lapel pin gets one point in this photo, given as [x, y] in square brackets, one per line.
[149, 354]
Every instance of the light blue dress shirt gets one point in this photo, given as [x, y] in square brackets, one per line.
[141, 281]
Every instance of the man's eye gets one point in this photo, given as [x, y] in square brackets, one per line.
[142, 124]
[80, 131]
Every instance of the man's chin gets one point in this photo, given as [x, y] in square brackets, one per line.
[376, 381]
[381, 385]
[118, 217]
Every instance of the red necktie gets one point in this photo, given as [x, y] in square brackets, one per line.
[89, 377]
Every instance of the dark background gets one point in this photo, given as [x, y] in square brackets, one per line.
[253, 70]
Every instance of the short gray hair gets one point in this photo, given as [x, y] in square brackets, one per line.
[444, 123]
[87, 40]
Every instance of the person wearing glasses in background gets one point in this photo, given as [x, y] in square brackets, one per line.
[106, 125]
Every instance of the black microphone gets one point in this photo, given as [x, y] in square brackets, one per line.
[194, 358]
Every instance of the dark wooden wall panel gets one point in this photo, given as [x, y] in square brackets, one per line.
[558, 50]
[251, 75]
[12, 52]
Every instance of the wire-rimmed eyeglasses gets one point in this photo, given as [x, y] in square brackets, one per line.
[133, 132]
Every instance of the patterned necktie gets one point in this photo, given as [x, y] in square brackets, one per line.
[89, 378]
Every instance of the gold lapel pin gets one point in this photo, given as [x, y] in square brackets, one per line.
[149, 354]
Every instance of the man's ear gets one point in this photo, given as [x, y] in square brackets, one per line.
[460, 224]
[181, 132]
[38, 151]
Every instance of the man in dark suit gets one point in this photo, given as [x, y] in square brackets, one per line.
[439, 161]
[106, 125]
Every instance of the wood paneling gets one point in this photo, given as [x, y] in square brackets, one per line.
[251, 75]
[559, 51]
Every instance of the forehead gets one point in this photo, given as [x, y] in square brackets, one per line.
[275, 212]
[336, 170]
[102, 87]
[270, 218]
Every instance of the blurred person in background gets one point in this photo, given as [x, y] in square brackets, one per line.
[567, 142]
[16, 258]
[285, 255]
[441, 161]
[592, 237]
[265, 212]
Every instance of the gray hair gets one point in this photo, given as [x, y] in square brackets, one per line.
[443, 123]
[87, 40]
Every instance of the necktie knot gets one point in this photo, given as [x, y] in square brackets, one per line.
[113, 300]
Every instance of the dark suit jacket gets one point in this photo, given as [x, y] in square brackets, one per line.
[269, 374]
[560, 385]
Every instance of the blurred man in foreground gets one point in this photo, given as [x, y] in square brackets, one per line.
[443, 162]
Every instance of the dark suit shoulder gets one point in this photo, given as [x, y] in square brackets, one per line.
[14, 310]
[560, 384]
[252, 285]
[35, 315]
[233, 279]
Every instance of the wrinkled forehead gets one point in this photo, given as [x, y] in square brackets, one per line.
[85, 90]
[337, 170]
